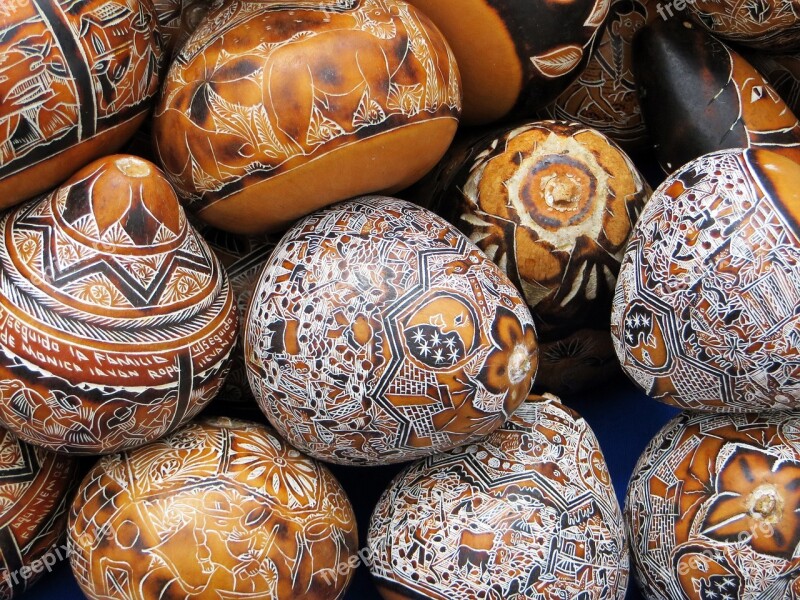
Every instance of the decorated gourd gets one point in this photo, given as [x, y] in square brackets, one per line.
[76, 81]
[712, 508]
[377, 333]
[528, 512]
[36, 488]
[604, 96]
[118, 320]
[219, 509]
[552, 204]
[772, 25]
[706, 309]
[272, 110]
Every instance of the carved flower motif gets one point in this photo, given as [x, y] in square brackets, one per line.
[511, 365]
[756, 502]
[284, 473]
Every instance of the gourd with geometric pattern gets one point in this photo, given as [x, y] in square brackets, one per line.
[118, 320]
[706, 313]
[377, 333]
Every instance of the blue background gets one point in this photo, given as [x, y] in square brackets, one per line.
[623, 419]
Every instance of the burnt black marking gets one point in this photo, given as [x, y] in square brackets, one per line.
[56, 19]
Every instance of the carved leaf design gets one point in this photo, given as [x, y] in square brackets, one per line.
[268, 143]
[231, 118]
[434, 94]
[369, 112]
[453, 85]
[257, 472]
[406, 99]
[258, 449]
[301, 35]
[322, 129]
[558, 62]
[203, 182]
[599, 14]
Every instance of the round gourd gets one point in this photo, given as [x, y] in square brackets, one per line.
[706, 309]
[271, 111]
[552, 204]
[712, 508]
[377, 333]
[219, 509]
[76, 81]
[528, 512]
[118, 320]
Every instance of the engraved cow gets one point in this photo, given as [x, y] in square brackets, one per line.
[474, 551]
